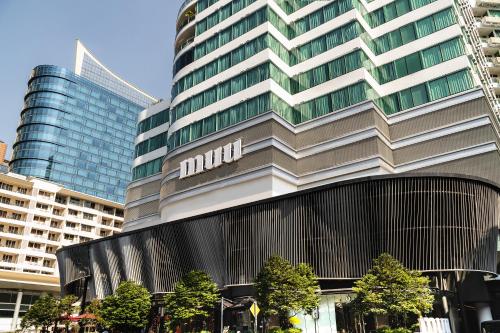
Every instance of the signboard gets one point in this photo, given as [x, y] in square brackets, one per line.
[254, 309]
[211, 159]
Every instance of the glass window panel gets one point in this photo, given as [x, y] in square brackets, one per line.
[419, 94]
[431, 56]
[413, 63]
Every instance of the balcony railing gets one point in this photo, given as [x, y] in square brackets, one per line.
[490, 20]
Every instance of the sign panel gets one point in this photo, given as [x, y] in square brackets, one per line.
[254, 309]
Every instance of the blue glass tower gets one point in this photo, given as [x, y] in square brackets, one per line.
[76, 132]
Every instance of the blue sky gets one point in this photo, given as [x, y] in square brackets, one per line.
[132, 38]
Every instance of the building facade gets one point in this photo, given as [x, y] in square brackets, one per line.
[280, 111]
[323, 91]
[76, 132]
[143, 193]
[37, 218]
[338, 229]
[487, 20]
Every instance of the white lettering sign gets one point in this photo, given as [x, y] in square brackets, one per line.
[211, 159]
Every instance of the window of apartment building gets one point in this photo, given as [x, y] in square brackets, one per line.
[89, 204]
[30, 271]
[88, 216]
[84, 239]
[6, 187]
[44, 194]
[13, 230]
[22, 190]
[53, 237]
[5, 200]
[119, 212]
[69, 237]
[50, 249]
[33, 260]
[37, 232]
[33, 245]
[5, 268]
[72, 212]
[118, 224]
[16, 216]
[42, 206]
[20, 203]
[47, 263]
[107, 210]
[103, 233]
[3, 213]
[2, 227]
[55, 224]
[86, 228]
[57, 212]
[39, 219]
[11, 243]
[106, 221]
[75, 201]
[71, 225]
[7, 258]
[60, 199]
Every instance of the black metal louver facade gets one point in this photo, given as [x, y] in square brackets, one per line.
[429, 222]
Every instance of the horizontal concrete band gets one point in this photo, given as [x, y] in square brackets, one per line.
[360, 136]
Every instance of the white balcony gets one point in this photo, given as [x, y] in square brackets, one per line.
[488, 3]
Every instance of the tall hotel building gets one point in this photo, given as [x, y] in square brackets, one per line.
[78, 128]
[324, 131]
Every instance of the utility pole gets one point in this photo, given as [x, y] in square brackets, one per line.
[222, 315]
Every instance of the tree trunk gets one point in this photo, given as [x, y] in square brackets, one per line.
[284, 321]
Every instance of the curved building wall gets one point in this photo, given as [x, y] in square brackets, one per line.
[75, 133]
[430, 223]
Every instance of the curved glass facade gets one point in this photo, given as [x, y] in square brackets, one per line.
[75, 133]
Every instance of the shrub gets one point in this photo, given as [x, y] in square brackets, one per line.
[394, 330]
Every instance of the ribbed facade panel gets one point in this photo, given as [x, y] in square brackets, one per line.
[430, 223]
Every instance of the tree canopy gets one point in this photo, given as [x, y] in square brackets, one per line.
[47, 311]
[391, 289]
[127, 310]
[193, 300]
[41, 314]
[284, 290]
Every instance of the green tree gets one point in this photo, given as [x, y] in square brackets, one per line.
[127, 310]
[284, 290]
[43, 313]
[193, 300]
[392, 290]
[92, 314]
[64, 309]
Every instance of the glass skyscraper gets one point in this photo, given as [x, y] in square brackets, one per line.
[79, 130]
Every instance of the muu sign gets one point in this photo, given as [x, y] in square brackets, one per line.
[211, 159]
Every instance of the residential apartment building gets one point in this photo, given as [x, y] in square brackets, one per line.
[37, 218]
[78, 128]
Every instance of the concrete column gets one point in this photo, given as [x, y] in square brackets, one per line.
[13, 326]
[483, 312]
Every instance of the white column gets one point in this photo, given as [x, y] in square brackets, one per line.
[13, 326]
[483, 312]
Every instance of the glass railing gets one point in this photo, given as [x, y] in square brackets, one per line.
[184, 5]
